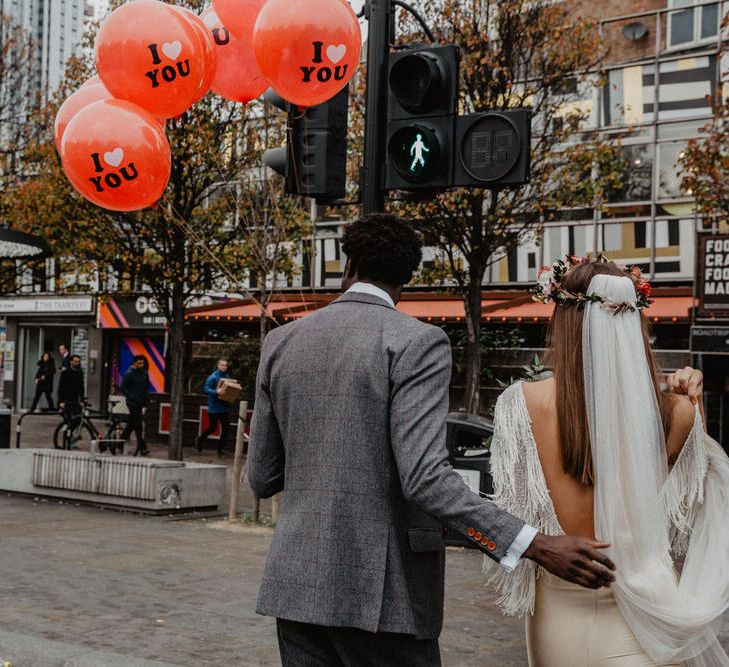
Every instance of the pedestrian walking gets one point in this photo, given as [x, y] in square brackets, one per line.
[218, 409]
[44, 381]
[65, 357]
[135, 387]
[71, 392]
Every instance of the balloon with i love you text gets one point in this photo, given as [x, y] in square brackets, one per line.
[82, 98]
[147, 52]
[208, 47]
[308, 49]
[239, 16]
[91, 91]
[116, 155]
[238, 77]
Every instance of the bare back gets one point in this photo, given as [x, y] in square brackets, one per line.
[574, 502]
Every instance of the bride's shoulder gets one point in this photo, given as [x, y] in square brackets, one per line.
[539, 395]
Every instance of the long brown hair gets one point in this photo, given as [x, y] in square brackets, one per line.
[564, 356]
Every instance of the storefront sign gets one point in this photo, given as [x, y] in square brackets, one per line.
[713, 279]
[713, 340]
[43, 305]
[140, 312]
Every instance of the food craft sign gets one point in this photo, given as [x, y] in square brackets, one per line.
[713, 279]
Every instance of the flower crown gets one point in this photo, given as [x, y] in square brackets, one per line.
[549, 286]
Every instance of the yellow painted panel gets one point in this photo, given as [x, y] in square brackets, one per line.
[633, 94]
[686, 64]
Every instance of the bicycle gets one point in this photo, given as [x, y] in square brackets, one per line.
[78, 432]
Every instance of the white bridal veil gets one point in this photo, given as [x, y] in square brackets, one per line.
[673, 614]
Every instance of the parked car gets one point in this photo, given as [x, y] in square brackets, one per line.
[468, 438]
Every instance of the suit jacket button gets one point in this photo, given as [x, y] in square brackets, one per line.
[470, 532]
[485, 541]
[477, 536]
[491, 545]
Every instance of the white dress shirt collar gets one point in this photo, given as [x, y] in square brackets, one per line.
[369, 288]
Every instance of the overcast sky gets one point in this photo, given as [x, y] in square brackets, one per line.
[102, 5]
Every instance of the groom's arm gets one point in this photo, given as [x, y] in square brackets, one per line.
[266, 455]
[420, 379]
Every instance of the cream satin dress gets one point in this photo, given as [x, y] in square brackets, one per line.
[566, 625]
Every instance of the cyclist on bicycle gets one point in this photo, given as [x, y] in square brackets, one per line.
[71, 393]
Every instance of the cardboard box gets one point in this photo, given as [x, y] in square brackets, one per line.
[229, 390]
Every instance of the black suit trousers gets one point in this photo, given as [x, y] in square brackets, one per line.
[307, 645]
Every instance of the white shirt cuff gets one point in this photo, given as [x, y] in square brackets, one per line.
[518, 547]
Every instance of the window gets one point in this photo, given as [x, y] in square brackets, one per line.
[669, 180]
[685, 86]
[626, 242]
[693, 24]
[674, 248]
[637, 175]
[628, 96]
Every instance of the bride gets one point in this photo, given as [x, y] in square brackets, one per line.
[598, 450]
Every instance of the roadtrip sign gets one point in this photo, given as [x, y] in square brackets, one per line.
[713, 278]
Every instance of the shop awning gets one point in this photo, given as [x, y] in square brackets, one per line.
[515, 307]
[237, 311]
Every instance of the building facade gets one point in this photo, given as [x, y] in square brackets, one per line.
[56, 29]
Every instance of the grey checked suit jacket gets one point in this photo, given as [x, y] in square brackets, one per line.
[349, 420]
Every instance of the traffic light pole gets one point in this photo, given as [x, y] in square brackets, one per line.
[379, 15]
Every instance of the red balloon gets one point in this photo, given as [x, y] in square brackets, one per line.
[90, 82]
[87, 94]
[308, 49]
[208, 47]
[148, 53]
[238, 77]
[116, 155]
[239, 16]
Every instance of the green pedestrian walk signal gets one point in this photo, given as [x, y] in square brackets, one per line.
[430, 147]
[421, 111]
[415, 151]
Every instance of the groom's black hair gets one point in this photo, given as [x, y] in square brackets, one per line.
[383, 248]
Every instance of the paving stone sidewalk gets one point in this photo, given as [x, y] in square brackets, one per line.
[86, 587]
[82, 586]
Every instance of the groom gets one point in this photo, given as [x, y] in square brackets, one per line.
[350, 419]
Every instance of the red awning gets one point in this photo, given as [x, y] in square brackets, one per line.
[250, 311]
[519, 308]
[663, 308]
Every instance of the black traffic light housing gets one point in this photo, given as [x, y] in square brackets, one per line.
[493, 149]
[314, 161]
[421, 111]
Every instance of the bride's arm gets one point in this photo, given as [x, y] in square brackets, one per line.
[683, 415]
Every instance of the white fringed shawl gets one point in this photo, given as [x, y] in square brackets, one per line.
[521, 489]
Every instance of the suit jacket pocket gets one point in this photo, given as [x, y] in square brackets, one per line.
[426, 539]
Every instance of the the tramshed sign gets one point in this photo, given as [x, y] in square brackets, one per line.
[713, 278]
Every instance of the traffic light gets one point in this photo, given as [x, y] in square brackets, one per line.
[421, 113]
[314, 160]
[493, 149]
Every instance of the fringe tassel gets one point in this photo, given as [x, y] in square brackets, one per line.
[683, 491]
[521, 489]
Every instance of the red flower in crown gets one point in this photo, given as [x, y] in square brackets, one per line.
[644, 288]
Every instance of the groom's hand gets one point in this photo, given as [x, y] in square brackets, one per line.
[574, 559]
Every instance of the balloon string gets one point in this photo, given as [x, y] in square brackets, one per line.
[234, 210]
[173, 216]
